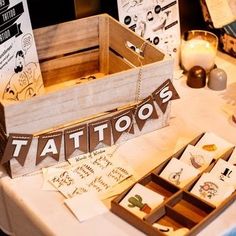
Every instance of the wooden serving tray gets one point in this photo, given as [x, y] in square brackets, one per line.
[179, 209]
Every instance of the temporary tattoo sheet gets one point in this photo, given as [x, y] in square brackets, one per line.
[225, 171]
[48, 172]
[211, 189]
[97, 172]
[155, 20]
[179, 173]
[232, 158]
[20, 74]
[214, 144]
[196, 157]
[141, 200]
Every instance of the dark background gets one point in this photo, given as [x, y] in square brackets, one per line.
[44, 13]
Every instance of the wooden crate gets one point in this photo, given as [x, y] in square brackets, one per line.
[180, 207]
[67, 52]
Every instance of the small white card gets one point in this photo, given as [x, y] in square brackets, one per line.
[46, 185]
[141, 200]
[214, 144]
[179, 173]
[86, 206]
[232, 158]
[211, 189]
[196, 157]
[225, 171]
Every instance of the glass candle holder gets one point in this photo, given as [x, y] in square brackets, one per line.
[198, 48]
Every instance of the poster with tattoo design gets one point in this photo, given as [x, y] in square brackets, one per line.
[20, 74]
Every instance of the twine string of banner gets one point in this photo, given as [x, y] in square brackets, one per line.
[137, 95]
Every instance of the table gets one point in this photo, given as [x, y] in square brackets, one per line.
[27, 210]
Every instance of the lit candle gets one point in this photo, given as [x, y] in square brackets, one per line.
[199, 50]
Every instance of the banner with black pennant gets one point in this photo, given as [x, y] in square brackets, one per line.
[9, 16]
[122, 123]
[165, 93]
[145, 111]
[4, 4]
[99, 133]
[76, 139]
[17, 147]
[49, 145]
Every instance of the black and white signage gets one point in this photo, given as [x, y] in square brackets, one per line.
[20, 75]
[155, 20]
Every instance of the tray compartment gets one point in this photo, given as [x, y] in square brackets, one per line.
[159, 185]
[192, 207]
[169, 217]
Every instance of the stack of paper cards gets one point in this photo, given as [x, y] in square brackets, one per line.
[141, 200]
[212, 189]
[232, 158]
[97, 172]
[214, 144]
[196, 157]
[179, 173]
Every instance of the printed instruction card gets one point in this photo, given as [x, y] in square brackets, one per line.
[155, 20]
[20, 74]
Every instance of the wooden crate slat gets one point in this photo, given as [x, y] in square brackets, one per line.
[68, 37]
[77, 102]
[118, 42]
[71, 67]
[117, 64]
[103, 44]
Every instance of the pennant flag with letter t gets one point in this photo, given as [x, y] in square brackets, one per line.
[100, 133]
[165, 93]
[18, 146]
[49, 145]
[76, 139]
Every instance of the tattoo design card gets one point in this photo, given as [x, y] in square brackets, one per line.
[155, 20]
[141, 200]
[232, 158]
[179, 173]
[20, 74]
[211, 189]
[214, 144]
[225, 171]
[196, 157]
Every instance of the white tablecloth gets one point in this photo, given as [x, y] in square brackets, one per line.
[27, 210]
